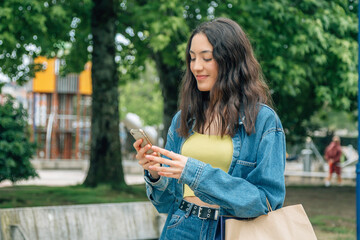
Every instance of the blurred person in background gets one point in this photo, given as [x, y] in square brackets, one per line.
[332, 156]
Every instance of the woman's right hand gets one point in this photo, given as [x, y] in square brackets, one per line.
[145, 163]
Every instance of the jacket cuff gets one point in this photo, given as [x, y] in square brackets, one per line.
[192, 172]
[159, 184]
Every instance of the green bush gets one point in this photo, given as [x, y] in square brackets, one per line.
[16, 150]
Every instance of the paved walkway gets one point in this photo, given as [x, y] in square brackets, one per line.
[294, 175]
[66, 177]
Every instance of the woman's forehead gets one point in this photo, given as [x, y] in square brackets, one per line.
[200, 44]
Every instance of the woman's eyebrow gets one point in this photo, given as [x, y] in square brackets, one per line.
[204, 51]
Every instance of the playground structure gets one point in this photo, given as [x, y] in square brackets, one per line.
[59, 111]
[60, 114]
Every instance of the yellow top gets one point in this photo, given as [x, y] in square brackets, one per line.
[212, 149]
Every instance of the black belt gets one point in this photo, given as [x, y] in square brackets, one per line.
[200, 212]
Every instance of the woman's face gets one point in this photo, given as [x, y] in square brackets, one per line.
[202, 64]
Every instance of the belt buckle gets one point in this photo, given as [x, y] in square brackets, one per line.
[199, 213]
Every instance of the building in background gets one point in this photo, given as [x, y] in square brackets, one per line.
[59, 111]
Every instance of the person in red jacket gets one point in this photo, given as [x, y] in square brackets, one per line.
[332, 156]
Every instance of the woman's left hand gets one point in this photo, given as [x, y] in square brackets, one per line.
[176, 164]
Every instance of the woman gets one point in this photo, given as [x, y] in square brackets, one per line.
[225, 150]
[332, 155]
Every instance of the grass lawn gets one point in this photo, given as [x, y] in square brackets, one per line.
[31, 196]
[332, 210]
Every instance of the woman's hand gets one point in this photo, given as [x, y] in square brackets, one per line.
[176, 164]
[145, 163]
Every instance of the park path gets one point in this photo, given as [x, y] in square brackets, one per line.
[67, 177]
[133, 175]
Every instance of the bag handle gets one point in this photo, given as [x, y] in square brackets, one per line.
[268, 205]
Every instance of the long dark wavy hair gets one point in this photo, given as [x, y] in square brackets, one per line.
[238, 90]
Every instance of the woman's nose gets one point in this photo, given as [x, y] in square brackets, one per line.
[197, 65]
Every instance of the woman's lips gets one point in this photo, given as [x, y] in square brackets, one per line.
[201, 77]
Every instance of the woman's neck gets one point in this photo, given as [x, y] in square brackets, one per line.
[211, 127]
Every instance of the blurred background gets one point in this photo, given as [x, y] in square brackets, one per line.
[307, 50]
[76, 76]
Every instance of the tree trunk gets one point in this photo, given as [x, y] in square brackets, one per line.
[170, 80]
[105, 155]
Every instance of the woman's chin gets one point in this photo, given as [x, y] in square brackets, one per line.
[203, 88]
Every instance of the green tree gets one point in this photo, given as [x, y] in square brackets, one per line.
[16, 148]
[62, 29]
[307, 49]
[32, 28]
[105, 157]
[157, 29]
[143, 97]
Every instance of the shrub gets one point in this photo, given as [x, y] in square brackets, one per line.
[16, 150]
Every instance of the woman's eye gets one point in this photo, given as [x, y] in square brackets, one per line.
[207, 59]
[192, 59]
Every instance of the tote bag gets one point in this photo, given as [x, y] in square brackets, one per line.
[287, 223]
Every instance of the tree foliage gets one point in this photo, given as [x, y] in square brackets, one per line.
[307, 49]
[157, 30]
[62, 29]
[16, 148]
[143, 97]
[32, 28]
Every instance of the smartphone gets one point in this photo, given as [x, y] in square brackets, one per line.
[139, 133]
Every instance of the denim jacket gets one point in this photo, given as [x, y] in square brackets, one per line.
[256, 172]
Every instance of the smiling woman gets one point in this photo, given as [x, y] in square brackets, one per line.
[225, 150]
[203, 66]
